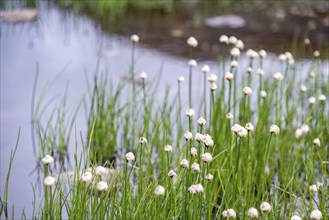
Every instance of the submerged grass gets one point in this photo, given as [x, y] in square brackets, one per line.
[137, 163]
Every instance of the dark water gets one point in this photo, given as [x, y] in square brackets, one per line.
[67, 46]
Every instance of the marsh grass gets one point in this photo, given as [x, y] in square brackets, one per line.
[247, 170]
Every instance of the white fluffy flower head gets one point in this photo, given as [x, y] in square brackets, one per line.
[247, 91]
[188, 135]
[184, 163]
[47, 159]
[274, 129]
[134, 38]
[102, 186]
[130, 156]
[253, 213]
[192, 42]
[189, 112]
[87, 177]
[168, 148]
[316, 214]
[192, 63]
[206, 157]
[265, 207]
[205, 68]
[159, 190]
[49, 181]
[201, 121]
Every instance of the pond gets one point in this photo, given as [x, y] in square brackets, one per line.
[66, 47]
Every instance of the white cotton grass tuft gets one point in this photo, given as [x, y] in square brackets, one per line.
[282, 57]
[278, 77]
[87, 177]
[181, 79]
[316, 214]
[235, 52]
[142, 140]
[168, 148]
[303, 88]
[195, 167]
[249, 70]
[239, 130]
[229, 213]
[247, 91]
[188, 135]
[311, 100]
[251, 54]
[49, 181]
[195, 189]
[47, 160]
[307, 41]
[192, 63]
[262, 53]
[208, 141]
[213, 87]
[223, 39]
[159, 190]
[260, 71]
[205, 68]
[199, 137]
[209, 177]
[189, 112]
[100, 170]
[206, 157]
[212, 78]
[313, 188]
[317, 142]
[102, 186]
[312, 74]
[201, 121]
[250, 127]
[253, 213]
[184, 163]
[316, 53]
[229, 116]
[234, 63]
[134, 38]
[143, 76]
[298, 133]
[263, 94]
[229, 76]
[265, 207]
[192, 42]
[194, 151]
[239, 44]
[296, 217]
[130, 156]
[322, 98]
[172, 173]
[274, 129]
[232, 40]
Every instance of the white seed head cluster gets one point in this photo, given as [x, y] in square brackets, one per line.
[304, 129]
[184, 163]
[260, 71]
[192, 42]
[201, 121]
[234, 63]
[235, 52]
[250, 127]
[213, 87]
[263, 94]
[195, 189]
[311, 100]
[159, 190]
[199, 137]
[322, 98]
[232, 40]
[274, 129]
[189, 112]
[296, 217]
[253, 213]
[195, 167]
[223, 39]
[194, 151]
[205, 68]
[229, 213]
[172, 173]
[49, 181]
[303, 88]
[192, 63]
[265, 207]
[262, 53]
[209, 177]
[316, 214]
[134, 38]
[229, 116]
[212, 78]
[143, 76]
[181, 79]
[188, 135]
[47, 160]
[102, 186]
[206, 157]
[239, 44]
[247, 91]
[316, 53]
[142, 140]
[317, 142]
[168, 148]
[100, 170]
[208, 141]
[229, 76]
[130, 156]
[87, 177]
[278, 77]
[239, 130]
[251, 54]
[313, 188]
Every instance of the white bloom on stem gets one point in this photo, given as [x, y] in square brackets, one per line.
[168, 148]
[159, 190]
[181, 79]
[234, 63]
[316, 214]
[236, 127]
[206, 157]
[213, 87]
[172, 173]
[288, 55]
[201, 121]
[278, 76]
[249, 127]
[263, 94]
[134, 38]
[224, 214]
[192, 189]
[260, 71]
[322, 98]
[312, 74]
[231, 213]
[274, 129]
[102, 186]
[262, 53]
[232, 40]
[199, 137]
[142, 140]
[192, 63]
[282, 57]
[195, 167]
[208, 141]
[205, 68]
[242, 132]
[100, 170]
[189, 112]
[87, 177]
[49, 181]
[265, 207]
[303, 88]
[251, 53]
[192, 42]
[212, 78]
[317, 142]
[194, 151]
[199, 188]
[229, 76]
[235, 52]
[229, 116]
[188, 135]
[316, 53]
[249, 70]
[247, 91]
[130, 156]
[47, 159]
[319, 184]
[143, 76]
[307, 41]
[184, 163]
[209, 177]
[305, 128]
[223, 39]
[311, 100]
[239, 44]
[298, 133]
[313, 188]
[253, 213]
[296, 217]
